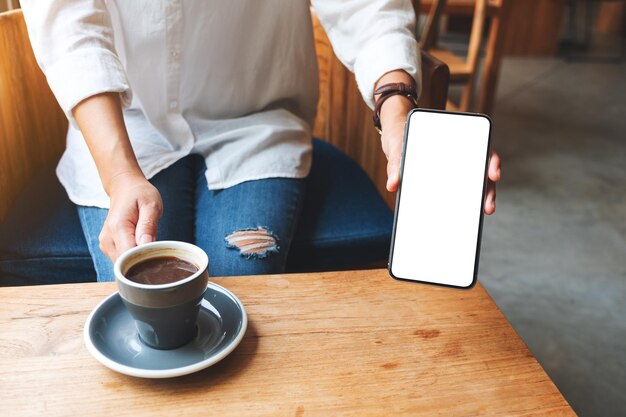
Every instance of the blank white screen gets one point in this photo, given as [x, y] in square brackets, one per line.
[440, 204]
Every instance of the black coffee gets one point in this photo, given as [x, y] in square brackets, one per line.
[161, 270]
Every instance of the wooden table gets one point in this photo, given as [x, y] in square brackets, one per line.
[344, 343]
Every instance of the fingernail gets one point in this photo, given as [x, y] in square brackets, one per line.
[145, 239]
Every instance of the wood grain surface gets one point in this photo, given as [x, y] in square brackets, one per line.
[535, 27]
[32, 125]
[340, 343]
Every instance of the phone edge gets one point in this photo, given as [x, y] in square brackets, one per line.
[482, 203]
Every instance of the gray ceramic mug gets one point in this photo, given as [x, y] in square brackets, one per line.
[165, 314]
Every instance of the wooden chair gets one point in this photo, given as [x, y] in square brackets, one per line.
[430, 32]
[33, 127]
[462, 69]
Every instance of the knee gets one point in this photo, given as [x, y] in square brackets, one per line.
[252, 243]
[250, 251]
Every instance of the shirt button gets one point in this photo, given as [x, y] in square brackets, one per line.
[174, 54]
[173, 104]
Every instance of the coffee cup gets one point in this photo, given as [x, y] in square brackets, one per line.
[165, 309]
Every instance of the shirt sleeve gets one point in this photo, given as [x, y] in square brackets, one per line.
[73, 44]
[371, 38]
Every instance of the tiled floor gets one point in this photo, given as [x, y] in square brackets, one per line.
[554, 255]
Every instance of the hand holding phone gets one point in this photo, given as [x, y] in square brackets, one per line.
[439, 206]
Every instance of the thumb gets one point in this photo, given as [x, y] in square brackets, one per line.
[147, 222]
[393, 174]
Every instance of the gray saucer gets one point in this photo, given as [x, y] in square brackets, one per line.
[111, 337]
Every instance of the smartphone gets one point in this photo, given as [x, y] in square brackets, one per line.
[439, 205]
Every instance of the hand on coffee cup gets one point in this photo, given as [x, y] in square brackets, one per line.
[162, 285]
[134, 213]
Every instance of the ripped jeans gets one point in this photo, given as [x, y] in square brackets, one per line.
[246, 229]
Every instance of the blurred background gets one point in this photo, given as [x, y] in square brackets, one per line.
[552, 75]
[554, 254]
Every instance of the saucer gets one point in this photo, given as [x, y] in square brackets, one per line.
[111, 337]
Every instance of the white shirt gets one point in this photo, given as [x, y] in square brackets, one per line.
[232, 80]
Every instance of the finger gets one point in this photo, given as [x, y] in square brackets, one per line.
[490, 198]
[394, 159]
[494, 167]
[147, 223]
[107, 245]
[123, 236]
[393, 174]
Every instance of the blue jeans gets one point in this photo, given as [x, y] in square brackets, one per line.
[246, 229]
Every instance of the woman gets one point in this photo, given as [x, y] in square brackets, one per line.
[190, 120]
